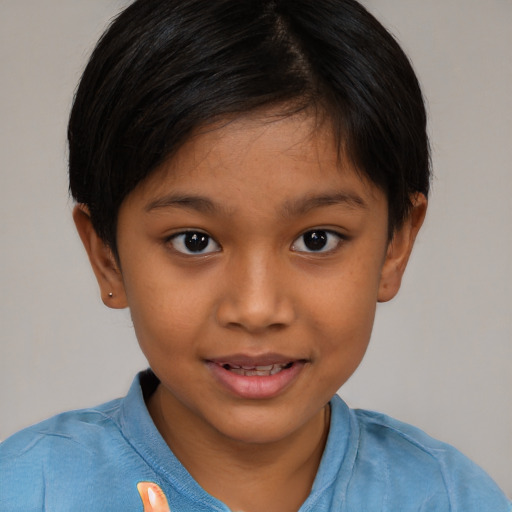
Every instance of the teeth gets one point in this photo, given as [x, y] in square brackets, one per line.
[257, 371]
[259, 368]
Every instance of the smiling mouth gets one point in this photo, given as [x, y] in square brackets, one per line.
[256, 377]
[257, 371]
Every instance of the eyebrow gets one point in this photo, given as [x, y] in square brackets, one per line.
[296, 207]
[303, 205]
[199, 203]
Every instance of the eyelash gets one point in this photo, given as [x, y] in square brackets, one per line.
[332, 239]
[203, 241]
[178, 242]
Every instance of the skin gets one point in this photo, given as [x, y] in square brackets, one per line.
[255, 185]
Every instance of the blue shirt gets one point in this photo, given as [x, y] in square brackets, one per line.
[92, 460]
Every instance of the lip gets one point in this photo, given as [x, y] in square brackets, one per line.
[255, 387]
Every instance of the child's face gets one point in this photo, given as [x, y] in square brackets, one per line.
[283, 259]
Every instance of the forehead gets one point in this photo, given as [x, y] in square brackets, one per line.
[256, 168]
[261, 157]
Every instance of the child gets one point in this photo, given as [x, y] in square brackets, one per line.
[250, 177]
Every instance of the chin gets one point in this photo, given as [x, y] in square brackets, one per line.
[261, 426]
[263, 434]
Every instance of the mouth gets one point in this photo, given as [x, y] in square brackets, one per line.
[256, 377]
[257, 371]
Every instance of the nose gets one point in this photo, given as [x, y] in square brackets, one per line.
[256, 295]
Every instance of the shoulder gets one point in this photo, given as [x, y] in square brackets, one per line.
[414, 462]
[62, 447]
[81, 427]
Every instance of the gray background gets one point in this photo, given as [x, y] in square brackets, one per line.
[441, 351]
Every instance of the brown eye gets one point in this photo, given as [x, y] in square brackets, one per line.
[317, 240]
[194, 242]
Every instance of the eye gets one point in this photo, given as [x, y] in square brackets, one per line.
[317, 240]
[193, 242]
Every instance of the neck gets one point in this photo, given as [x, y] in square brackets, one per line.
[252, 477]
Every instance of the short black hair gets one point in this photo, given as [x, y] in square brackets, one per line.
[164, 68]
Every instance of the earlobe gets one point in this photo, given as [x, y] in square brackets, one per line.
[102, 260]
[399, 250]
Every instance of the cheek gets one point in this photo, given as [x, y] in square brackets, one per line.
[342, 312]
[347, 298]
[344, 343]
[166, 316]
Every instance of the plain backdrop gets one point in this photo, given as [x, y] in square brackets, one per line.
[441, 352]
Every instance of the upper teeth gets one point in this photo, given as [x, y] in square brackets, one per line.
[255, 370]
[259, 368]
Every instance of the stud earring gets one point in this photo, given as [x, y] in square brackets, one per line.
[110, 295]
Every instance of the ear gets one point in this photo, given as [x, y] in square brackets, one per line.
[102, 260]
[399, 249]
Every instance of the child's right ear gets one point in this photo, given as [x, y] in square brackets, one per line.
[103, 262]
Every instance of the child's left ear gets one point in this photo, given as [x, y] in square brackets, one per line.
[399, 249]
